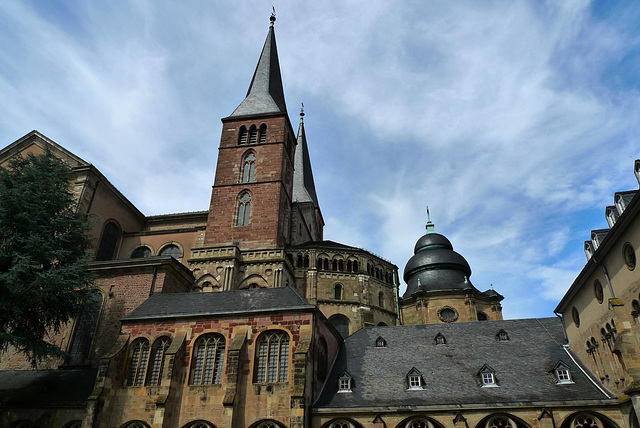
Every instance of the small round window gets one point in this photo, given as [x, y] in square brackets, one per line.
[629, 256]
[576, 316]
[448, 314]
[598, 291]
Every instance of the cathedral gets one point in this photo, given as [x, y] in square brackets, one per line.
[243, 316]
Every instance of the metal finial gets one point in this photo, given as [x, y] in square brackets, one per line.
[491, 286]
[430, 226]
[273, 15]
[301, 112]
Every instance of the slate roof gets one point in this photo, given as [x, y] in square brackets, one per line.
[180, 305]
[328, 244]
[523, 366]
[46, 388]
[304, 189]
[265, 94]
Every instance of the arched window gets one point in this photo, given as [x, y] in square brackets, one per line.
[273, 357]
[482, 316]
[340, 265]
[249, 168]
[349, 267]
[135, 424]
[334, 266]
[158, 351]
[138, 362]
[141, 252]
[253, 134]
[355, 266]
[85, 328]
[306, 261]
[263, 133]
[440, 339]
[242, 135]
[337, 291]
[209, 359]
[381, 299]
[171, 250]
[341, 324]
[108, 241]
[500, 422]
[244, 209]
[267, 424]
[319, 263]
[199, 424]
[325, 264]
[299, 261]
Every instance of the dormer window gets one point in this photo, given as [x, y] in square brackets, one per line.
[381, 343]
[588, 249]
[502, 336]
[440, 339]
[620, 203]
[345, 382]
[414, 379]
[487, 377]
[563, 375]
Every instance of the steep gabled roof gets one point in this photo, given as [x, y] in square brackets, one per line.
[265, 94]
[523, 364]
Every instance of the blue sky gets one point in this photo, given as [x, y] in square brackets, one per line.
[515, 121]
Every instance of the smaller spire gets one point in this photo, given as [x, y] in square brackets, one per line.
[431, 228]
[273, 16]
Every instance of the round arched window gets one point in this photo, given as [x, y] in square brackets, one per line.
[586, 421]
[171, 250]
[141, 252]
[629, 256]
[500, 422]
[576, 316]
[597, 288]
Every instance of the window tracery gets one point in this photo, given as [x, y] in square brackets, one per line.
[138, 362]
[273, 358]
[249, 168]
[158, 352]
[209, 360]
[244, 209]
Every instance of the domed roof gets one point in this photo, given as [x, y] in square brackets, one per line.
[435, 266]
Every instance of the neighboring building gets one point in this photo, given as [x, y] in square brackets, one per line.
[235, 316]
[601, 309]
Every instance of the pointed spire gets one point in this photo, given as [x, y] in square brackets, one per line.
[431, 228]
[265, 94]
[304, 188]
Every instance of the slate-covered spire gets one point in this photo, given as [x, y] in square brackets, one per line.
[265, 94]
[304, 189]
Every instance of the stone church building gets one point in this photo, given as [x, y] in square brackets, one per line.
[243, 316]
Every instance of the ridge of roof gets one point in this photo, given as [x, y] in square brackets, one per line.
[265, 94]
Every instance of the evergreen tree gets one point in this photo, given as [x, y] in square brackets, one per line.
[44, 280]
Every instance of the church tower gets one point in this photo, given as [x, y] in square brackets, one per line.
[253, 188]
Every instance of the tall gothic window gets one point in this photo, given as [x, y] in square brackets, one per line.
[209, 359]
[244, 209]
[158, 352]
[138, 362]
[108, 242]
[249, 168]
[85, 327]
[273, 358]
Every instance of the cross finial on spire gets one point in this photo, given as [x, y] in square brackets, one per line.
[430, 226]
[273, 16]
[302, 112]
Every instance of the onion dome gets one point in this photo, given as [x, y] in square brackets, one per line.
[435, 266]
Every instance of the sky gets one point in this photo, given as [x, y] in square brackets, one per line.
[514, 121]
